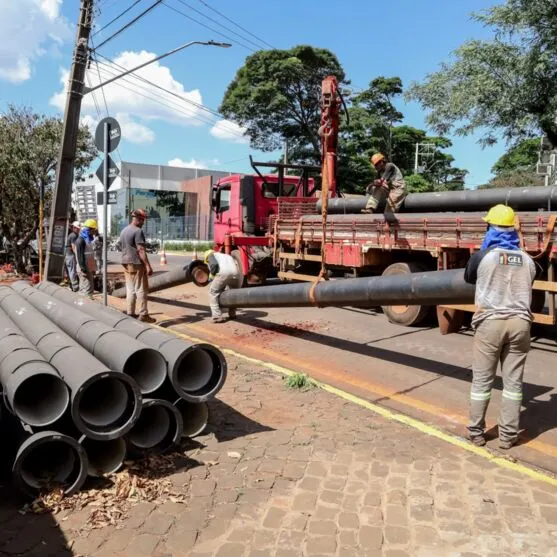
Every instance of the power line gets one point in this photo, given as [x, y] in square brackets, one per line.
[102, 89]
[214, 21]
[207, 26]
[237, 24]
[130, 23]
[117, 17]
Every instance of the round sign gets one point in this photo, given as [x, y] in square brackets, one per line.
[114, 134]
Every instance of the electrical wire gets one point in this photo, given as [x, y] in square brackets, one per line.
[237, 24]
[207, 26]
[100, 80]
[117, 17]
[130, 23]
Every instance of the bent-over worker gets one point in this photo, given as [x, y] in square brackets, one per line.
[503, 275]
[84, 257]
[224, 274]
[136, 266]
[390, 185]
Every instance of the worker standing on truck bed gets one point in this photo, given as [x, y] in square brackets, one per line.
[136, 266]
[390, 185]
[503, 275]
[224, 274]
[85, 260]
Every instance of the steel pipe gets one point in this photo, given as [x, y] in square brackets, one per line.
[104, 457]
[520, 199]
[47, 459]
[196, 371]
[195, 416]
[196, 272]
[158, 429]
[120, 353]
[431, 288]
[104, 403]
[33, 389]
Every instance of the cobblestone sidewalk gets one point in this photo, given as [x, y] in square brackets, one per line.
[288, 473]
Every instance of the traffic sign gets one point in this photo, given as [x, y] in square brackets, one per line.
[113, 172]
[114, 134]
[112, 197]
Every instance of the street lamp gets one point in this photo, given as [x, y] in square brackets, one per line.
[156, 59]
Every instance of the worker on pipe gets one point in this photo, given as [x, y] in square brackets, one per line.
[70, 261]
[224, 274]
[85, 259]
[390, 185]
[503, 275]
[136, 266]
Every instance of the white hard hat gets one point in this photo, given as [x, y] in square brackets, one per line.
[76, 224]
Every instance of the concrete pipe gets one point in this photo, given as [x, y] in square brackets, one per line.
[196, 272]
[104, 404]
[115, 349]
[196, 371]
[53, 456]
[158, 429]
[33, 389]
[195, 416]
[104, 457]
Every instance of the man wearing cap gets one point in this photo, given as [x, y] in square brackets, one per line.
[390, 185]
[224, 274]
[70, 261]
[85, 259]
[503, 275]
[136, 266]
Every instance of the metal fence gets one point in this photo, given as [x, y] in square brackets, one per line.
[193, 227]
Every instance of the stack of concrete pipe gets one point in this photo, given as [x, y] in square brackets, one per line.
[84, 385]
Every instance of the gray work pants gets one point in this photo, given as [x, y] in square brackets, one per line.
[219, 284]
[71, 266]
[137, 288]
[395, 196]
[506, 341]
[86, 282]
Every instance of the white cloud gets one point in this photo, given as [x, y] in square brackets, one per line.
[192, 163]
[28, 29]
[229, 131]
[133, 131]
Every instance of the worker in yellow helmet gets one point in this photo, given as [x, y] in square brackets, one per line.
[85, 258]
[389, 185]
[224, 274]
[503, 274]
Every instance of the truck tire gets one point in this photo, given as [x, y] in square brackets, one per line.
[405, 315]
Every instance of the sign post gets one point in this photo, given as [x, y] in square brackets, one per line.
[107, 138]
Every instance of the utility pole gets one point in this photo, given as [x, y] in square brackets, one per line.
[57, 230]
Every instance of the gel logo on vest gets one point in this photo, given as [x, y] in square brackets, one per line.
[514, 259]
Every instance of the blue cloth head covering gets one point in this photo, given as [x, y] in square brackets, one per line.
[85, 233]
[504, 238]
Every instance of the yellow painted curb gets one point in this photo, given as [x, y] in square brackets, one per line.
[394, 416]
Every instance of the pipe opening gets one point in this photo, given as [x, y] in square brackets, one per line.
[41, 400]
[148, 368]
[195, 416]
[152, 427]
[105, 457]
[195, 371]
[104, 403]
[51, 463]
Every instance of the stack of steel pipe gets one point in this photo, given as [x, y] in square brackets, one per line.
[82, 386]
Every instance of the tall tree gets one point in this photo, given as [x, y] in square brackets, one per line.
[29, 146]
[521, 157]
[504, 86]
[276, 96]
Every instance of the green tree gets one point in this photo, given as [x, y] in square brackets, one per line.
[29, 147]
[276, 95]
[416, 183]
[523, 156]
[504, 86]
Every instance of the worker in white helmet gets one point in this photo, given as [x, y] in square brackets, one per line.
[224, 274]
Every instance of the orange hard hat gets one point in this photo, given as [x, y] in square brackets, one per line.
[378, 157]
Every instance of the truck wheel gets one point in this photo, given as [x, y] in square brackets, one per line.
[405, 315]
[242, 278]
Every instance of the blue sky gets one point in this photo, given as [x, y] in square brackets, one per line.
[403, 38]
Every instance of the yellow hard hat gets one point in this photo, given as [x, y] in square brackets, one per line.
[207, 254]
[90, 223]
[377, 158]
[500, 215]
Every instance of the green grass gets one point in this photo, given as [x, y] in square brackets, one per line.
[188, 246]
[299, 381]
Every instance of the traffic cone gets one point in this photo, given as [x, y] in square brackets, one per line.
[163, 258]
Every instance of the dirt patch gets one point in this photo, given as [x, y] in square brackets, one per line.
[274, 330]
